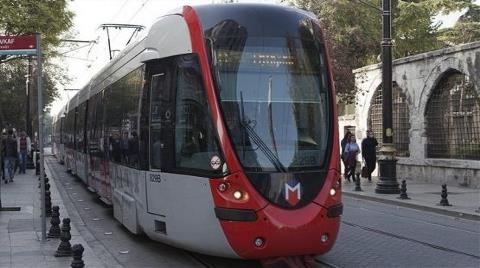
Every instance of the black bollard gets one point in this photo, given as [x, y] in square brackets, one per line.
[444, 201]
[48, 201]
[40, 182]
[357, 183]
[403, 191]
[65, 248]
[54, 231]
[77, 253]
[37, 166]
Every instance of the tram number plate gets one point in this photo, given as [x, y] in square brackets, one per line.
[155, 178]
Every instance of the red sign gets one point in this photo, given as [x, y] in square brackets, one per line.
[17, 44]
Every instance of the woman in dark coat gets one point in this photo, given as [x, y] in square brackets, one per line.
[369, 153]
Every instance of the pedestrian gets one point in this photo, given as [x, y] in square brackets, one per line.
[23, 145]
[351, 152]
[369, 153]
[344, 142]
[10, 154]
[16, 163]
[4, 136]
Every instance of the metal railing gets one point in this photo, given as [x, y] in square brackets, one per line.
[401, 119]
[453, 119]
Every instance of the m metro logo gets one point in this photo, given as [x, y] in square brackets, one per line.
[293, 194]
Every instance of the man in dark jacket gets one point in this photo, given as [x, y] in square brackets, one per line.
[369, 153]
[9, 149]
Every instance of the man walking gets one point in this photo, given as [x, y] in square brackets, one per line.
[369, 153]
[10, 154]
[4, 136]
[24, 145]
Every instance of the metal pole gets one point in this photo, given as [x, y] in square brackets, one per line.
[387, 183]
[28, 120]
[40, 134]
[109, 47]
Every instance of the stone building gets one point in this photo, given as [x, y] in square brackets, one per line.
[436, 114]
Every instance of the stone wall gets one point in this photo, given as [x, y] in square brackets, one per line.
[417, 76]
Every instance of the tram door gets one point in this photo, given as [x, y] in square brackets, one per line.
[162, 123]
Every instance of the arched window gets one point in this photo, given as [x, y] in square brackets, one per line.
[400, 116]
[453, 119]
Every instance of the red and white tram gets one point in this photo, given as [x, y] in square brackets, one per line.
[216, 133]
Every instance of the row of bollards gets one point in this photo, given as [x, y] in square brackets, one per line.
[48, 195]
[403, 191]
[65, 249]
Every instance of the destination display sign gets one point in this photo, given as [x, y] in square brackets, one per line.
[18, 45]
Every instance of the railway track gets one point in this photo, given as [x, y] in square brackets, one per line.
[401, 237]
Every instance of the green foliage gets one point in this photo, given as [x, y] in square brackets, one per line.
[466, 30]
[48, 17]
[468, 151]
[12, 92]
[51, 19]
[353, 31]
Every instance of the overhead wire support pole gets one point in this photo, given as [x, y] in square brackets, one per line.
[40, 134]
[106, 26]
[109, 47]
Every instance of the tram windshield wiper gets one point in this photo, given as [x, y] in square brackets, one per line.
[245, 123]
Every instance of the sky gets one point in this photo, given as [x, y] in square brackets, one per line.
[83, 60]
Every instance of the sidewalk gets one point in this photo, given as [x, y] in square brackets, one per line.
[20, 231]
[465, 202]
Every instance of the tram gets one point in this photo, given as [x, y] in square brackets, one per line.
[216, 133]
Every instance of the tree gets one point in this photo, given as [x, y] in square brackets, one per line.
[12, 92]
[48, 17]
[355, 39]
[23, 17]
[466, 29]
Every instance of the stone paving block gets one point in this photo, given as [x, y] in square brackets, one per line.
[60, 262]
[5, 261]
[29, 259]
[29, 265]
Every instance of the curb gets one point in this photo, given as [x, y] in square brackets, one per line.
[438, 210]
[97, 247]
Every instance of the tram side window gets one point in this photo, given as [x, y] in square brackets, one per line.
[162, 116]
[121, 118]
[69, 129]
[95, 125]
[80, 127]
[196, 144]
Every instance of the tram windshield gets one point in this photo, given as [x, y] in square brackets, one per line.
[274, 95]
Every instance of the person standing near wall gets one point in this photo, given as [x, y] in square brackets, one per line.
[351, 152]
[369, 153]
[4, 136]
[10, 154]
[23, 145]
[343, 143]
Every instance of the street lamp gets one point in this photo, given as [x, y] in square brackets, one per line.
[387, 163]
[387, 183]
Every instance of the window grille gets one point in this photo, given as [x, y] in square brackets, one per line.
[400, 116]
[453, 119]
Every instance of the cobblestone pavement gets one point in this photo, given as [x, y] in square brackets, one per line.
[372, 235]
[20, 231]
[381, 235]
[116, 244]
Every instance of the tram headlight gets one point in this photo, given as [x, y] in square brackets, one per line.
[333, 192]
[237, 195]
